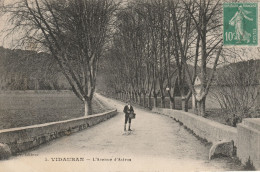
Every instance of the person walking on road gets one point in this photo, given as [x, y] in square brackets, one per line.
[128, 109]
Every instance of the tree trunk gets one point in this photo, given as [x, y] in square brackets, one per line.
[194, 105]
[144, 100]
[132, 96]
[155, 104]
[201, 107]
[88, 107]
[149, 101]
[140, 99]
[172, 103]
[129, 96]
[136, 98]
[184, 104]
[163, 102]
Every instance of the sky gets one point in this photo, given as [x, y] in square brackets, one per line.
[8, 42]
[253, 52]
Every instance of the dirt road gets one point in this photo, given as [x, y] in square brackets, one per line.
[157, 143]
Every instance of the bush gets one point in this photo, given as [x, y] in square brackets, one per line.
[5, 151]
[249, 166]
[236, 90]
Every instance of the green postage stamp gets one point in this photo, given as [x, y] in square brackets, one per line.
[240, 22]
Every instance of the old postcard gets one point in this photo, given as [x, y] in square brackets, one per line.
[129, 85]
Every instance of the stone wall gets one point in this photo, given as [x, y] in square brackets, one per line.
[204, 128]
[249, 141]
[24, 138]
[246, 136]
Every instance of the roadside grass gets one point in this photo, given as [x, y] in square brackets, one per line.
[19, 109]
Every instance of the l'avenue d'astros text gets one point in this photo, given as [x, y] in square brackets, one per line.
[81, 159]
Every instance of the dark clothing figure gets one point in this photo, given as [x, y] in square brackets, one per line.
[127, 110]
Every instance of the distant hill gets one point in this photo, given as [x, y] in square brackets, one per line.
[249, 68]
[242, 65]
[249, 63]
[29, 70]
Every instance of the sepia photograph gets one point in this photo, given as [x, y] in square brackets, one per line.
[129, 85]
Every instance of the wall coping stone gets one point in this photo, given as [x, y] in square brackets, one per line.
[253, 123]
[215, 124]
[25, 138]
[53, 123]
[218, 133]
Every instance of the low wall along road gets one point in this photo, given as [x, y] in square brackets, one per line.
[246, 137]
[206, 129]
[24, 138]
[249, 141]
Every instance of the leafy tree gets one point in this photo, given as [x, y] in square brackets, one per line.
[206, 15]
[73, 31]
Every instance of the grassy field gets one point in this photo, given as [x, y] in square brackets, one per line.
[19, 108]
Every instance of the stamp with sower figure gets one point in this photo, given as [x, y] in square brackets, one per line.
[240, 22]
